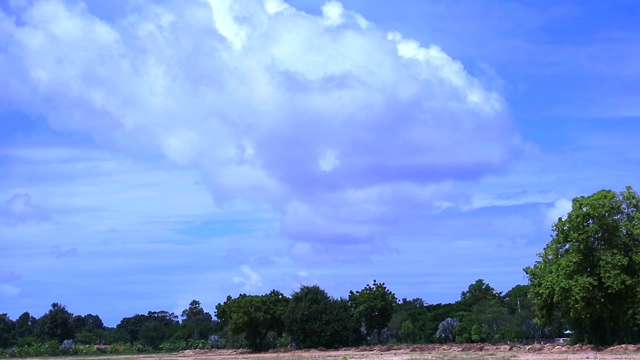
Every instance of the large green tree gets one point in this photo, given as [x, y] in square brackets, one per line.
[374, 305]
[254, 316]
[196, 319]
[589, 273]
[484, 318]
[25, 328]
[151, 329]
[314, 319]
[56, 324]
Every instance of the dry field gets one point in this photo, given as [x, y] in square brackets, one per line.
[416, 352]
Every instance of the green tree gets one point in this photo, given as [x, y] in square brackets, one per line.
[7, 331]
[196, 318]
[131, 327]
[253, 316]
[25, 326]
[55, 325]
[589, 272]
[374, 307]
[158, 327]
[88, 329]
[314, 319]
[479, 292]
[483, 315]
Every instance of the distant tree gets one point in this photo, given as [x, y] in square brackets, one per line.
[314, 319]
[158, 327]
[89, 329]
[195, 317]
[115, 335]
[94, 321]
[589, 273]
[374, 306]
[409, 305]
[131, 326]
[55, 325]
[253, 316]
[78, 323]
[153, 333]
[483, 315]
[479, 292]
[7, 331]
[25, 326]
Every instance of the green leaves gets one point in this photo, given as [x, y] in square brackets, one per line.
[590, 270]
[314, 319]
[253, 316]
[374, 306]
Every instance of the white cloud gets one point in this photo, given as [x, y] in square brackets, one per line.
[560, 209]
[250, 280]
[333, 13]
[20, 209]
[272, 105]
[328, 161]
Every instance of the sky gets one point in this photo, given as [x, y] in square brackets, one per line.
[156, 152]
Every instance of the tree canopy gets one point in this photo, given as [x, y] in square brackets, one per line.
[374, 305]
[253, 316]
[314, 319]
[589, 273]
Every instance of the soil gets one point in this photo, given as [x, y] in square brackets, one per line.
[405, 352]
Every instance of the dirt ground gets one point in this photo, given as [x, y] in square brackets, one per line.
[404, 352]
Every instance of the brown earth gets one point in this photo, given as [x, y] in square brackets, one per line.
[404, 352]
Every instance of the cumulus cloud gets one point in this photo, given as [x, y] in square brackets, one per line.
[250, 280]
[560, 209]
[338, 125]
[19, 209]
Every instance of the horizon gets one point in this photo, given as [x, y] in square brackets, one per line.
[163, 151]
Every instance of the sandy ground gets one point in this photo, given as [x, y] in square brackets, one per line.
[405, 352]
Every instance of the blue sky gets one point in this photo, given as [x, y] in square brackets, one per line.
[158, 152]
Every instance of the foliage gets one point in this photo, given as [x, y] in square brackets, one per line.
[25, 326]
[253, 316]
[149, 330]
[7, 329]
[197, 324]
[313, 319]
[478, 293]
[373, 306]
[589, 272]
[55, 325]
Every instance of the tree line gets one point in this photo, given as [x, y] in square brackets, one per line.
[587, 280]
[309, 318]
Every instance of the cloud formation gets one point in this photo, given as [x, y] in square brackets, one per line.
[250, 280]
[19, 209]
[340, 126]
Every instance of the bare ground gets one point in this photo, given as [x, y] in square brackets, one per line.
[404, 352]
